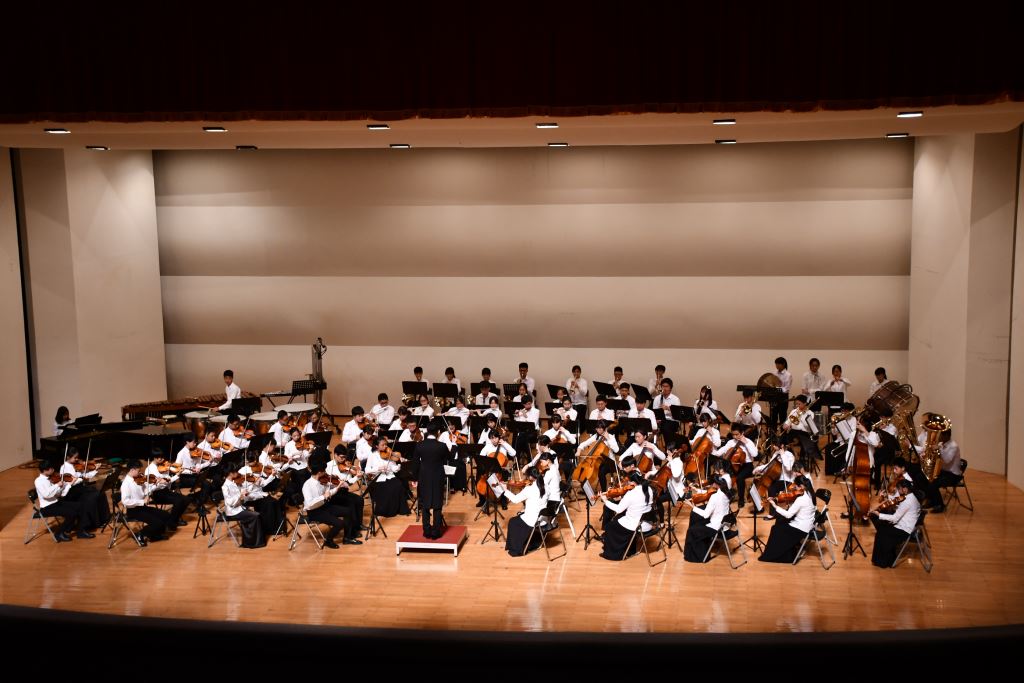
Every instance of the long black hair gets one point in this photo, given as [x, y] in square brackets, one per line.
[638, 478]
[538, 478]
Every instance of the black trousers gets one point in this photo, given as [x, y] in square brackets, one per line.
[70, 511]
[352, 505]
[156, 521]
[330, 515]
[433, 521]
[271, 512]
[808, 445]
[177, 502]
[888, 540]
[93, 507]
[252, 529]
[741, 477]
[293, 492]
[934, 492]
[699, 537]
[605, 469]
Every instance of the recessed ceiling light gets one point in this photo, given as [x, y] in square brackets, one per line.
[378, 126]
[97, 148]
[725, 142]
[246, 148]
[724, 122]
[910, 115]
[400, 145]
[57, 131]
[897, 135]
[547, 124]
[214, 129]
[558, 144]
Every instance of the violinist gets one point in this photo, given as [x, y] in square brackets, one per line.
[94, 507]
[633, 507]
[233, 435]
[496, 445]
[348, 473]
[577, 386]
[268, 457]
[165, 475]
[237, 493]
[386, 491]
[316, 494]
[654, 383]
[398, 424]
[281, 429]
[706, 521]
[424, 407]
[212, 450]
[412, 432]
[313, 425]
[189, 462]
[521, 526]
[543, 446]
[602, 411]
[354, 427]
[383, 413]
[640, 410]
[745, 458]
[52, 489]
[607, 466]
[893, 529]
[664, 402]
[135, 492]
[297, 462]
[801, 424]
[364, 446]
[788, 534]
[628, 467]
[912, 473]
[260, 480]
[748, 412]
[558, 433]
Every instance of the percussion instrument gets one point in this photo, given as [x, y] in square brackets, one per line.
[139, 411]
[217, 424]
[300, 411]
[262, 422]
[196, 421]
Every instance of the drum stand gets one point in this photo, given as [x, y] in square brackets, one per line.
[318, 350]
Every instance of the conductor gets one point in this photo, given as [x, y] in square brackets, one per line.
[432, 456]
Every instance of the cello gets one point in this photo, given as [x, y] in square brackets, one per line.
[861, 471]
[770, 474]
[589, 465]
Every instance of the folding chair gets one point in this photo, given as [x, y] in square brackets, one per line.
[565, 510]
[286, 524]
[221, 517]
[641, 537]
[314, 531]
[544, 526]
[121, 521]
[960, 484]
[825, 496]
[37, 518]
[918, 536]
[818, 535]
[728, 530]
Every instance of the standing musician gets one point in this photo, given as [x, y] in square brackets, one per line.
[744, 461]
[450, 378]
[525, 379]
[706, 521]
[838, 383]
[348, 472]
[633, 506]
[664, 401]
[616, 379]
[641, 410]
[748, 413]
[787, 535]
[894, 529]
[95, 510]
[383, 413]
[880, 379]
[577, 387]
[386, 490]
[135, 492]
[282, 429]
[813, 382]
[162, 494]
[417, 373]
[354, 427]
[236, 496]
[316, 494]
[607, 466]
[654, 383]
[424, 407]
[801, 424]
[782, 372]
[259, 481]
[430, 487]
[231, 391]
[495, 444]
[521, 526]
[51, 488]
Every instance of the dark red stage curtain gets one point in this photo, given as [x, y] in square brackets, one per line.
[216, 61]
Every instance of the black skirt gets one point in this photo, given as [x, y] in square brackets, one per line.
[252, 530]
[516, 534]
[699, 537]
[457, 481]
[616, 540]
[389, 498]
[783, 543]
[270, 513]
[888, 540]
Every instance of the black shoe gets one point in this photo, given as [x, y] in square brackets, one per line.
[182, 522]
[86, 534]
[480, 503]
[504, 504]
[330, 544]
[351, 541]
[599, 537]
[143, 543]
[62, 537]
[363, 527]
[731, 533]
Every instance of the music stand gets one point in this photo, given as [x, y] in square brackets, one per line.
[553, 390]
[590, 498]
[511, 389]
[320, 439]
[551, 406]
[494, 531]
[755, 498]
[414, 388]
[605, 389]
[684, 414]
[833, 400]
[631, 425]
[469, 452]
[446, 391]
[669, 534]
[617, 404]
[517, 428]
[642, 394]
[852, 543]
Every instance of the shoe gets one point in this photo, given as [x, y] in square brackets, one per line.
[480, 503]
[938, 509]
[731, 534]
[351, 541]
[363, 527]
[767, 518]
[182, 522]
[331, 544]
[599, 537]
[62, 537]
[143, 543]
[504, 504]
[86, 534]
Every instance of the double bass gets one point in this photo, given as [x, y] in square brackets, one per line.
[861, 473]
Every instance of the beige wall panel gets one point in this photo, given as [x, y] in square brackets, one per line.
[117, 278]
[14, 400]
[837, 312]
[355, 374]
[1015, 413]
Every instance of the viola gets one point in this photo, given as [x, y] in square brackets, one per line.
[219, 445]
[328, 479]
[704, 496]
[169, 467]
[786, 498]
[620, 491]
[81, 467]
[243, 433]
[889, 506]
[57, 478]
[200, 454]
[146, 479]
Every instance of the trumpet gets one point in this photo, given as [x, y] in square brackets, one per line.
[793, 419]
[745, 409]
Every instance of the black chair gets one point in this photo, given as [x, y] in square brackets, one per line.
[953, 490]
[37, 518]
[546, 525]
[919, 537]
[819, 536]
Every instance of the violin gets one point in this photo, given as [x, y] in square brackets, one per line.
[171, 467]
[620, 491]
[786, 498]
[331, 480]
[243, 433]
[460, 439]
[57, 478]
[302, 444]
[143, 479]
[889, 506]
[705, 496]
[81, 467]
[200, 454]
[219, 446]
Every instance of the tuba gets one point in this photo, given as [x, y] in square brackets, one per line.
[931, 459]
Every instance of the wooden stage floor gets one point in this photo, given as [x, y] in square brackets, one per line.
[978, 579]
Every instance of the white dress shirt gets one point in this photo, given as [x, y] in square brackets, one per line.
[528, 381]
[185, 459]
[569, 436]
[748, 446]
[281, 435]
[707, 409]
[351, 431]
[567, 415]
[491, 448]
[636, 449]
[231, 392]
[381, 469]
[608, 415]
[630, 401]
[804, 422]
[840, 385]
[462, 414]
[801, 513]
[384, 415]
[875, 386]
[299, 459]
[58, 427]
[363, 450]
[582, 389]
[69, 468]
[787, 459]
[633, 506]
[653, 386]
[347, 478]
[906, 514]
[715, 509]
[257, 491]
[660, 402]
[483, 399]
[648, 413]
[165, 479]
[714, 434]
[423, 410]
[533, 503]
[552, 482]
[234, 502]
[785, 378]
[215, 453]
[315, 494]
[678, 479]
[584, 447]
[950, 454]
[751, 418]
[265, 460]
[50, 493]
[227, 436]
[531, 415]
[871, 439]
[813, 383]
[134, 495]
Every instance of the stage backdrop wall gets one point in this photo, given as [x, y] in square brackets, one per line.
[709, 259]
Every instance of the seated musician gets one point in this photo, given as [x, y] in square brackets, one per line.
[602, 411]
[664, 402]
[520, 526]
[495, 443]
[640, 410]
[654, 383]
[950, 474]
[677, 480]
[237, 493]
[704, 405]
[387, 492]
[547, 464]
[281, 429]
[95, 510]
[424, 407]
[51, 490]
[364, 445]
[529, 415]
[787, 476]
[522, 391]
[566, 411]
[706, 520]
[788, 534]
[135, 499]
[493, 408]
[485, 433]
[354, 427]
[863, 435]
[844, 425]
[708, 428]
[398, 424]
[313, 425]
[347, 469]
[163, 495]
[643, 446]
[801, 424]
[485, 395]
[461, 411]
[607, 466]
[748, 413]
[61, 420]
[190, 463]
[383, 413]
[208, 449]
[745, 461]
[316, 494]
[233, 434]
[627, 466]
[297, 463]
[260, 481]
[543, 446]
[558, 433]
[269, 457]
[893, 528]
[632, 509]
[901, 469]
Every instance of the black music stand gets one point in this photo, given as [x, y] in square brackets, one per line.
[494, 531]
[852, 543]
[469, 452]
[446, 391]
[605, 389]
[669, 535]
[517, 428]
[755, 498]
[511, 390]
[485, 466]
[631, 425]
[414, 388]
[474, 387]
[833, 400]
[551, 406]
[590, 498]
[641, 394]
[553, 391]
[320, 439]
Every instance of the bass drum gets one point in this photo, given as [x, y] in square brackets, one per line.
[262, 422]
[893, 398]
[769, 379]
[196, 421]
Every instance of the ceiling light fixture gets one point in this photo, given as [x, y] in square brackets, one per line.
[57, 131]
[378, 126]
[558, 144]
[725, 142]
[97, 148]
[547, 124]
[724, 122]
[910, 115]
[214, 129]
[400, 145]
[246, 148]
[893, 136]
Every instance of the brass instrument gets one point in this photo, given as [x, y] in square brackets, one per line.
[931, 459]
[881, 424]
[793, 419]
[841, 416]
[746, 408]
